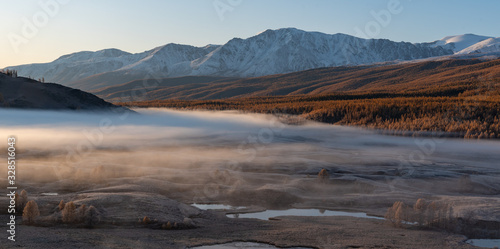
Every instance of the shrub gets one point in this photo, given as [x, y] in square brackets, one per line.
[397, 214]
[81, 213]
[91, 217]
[419, 211]
[30, 213]
[69, 213]
[167, 226]
[61, 205]
[146, 220]
[424, 214]
[323, 175]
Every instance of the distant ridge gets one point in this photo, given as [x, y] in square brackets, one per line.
[270, 52]
[446, 76]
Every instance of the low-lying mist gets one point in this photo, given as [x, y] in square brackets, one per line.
[236, 158]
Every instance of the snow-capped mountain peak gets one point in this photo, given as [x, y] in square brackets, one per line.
[461, 42]
[269, 52]
[87, 55]
[487, 46]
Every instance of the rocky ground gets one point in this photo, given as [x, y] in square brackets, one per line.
[316, 232]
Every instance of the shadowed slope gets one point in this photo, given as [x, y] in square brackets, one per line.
[31, 94]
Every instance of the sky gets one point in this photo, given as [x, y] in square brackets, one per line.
[36, 31]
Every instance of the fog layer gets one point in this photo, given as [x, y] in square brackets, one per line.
[243, 159]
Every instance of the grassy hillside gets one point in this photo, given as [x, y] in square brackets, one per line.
[159, 88]
[439, 77]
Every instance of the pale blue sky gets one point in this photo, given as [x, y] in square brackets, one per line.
[136, 26]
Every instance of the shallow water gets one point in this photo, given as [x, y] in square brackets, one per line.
[241, 245]
[488, 243]
[215, 207]
[265, 215]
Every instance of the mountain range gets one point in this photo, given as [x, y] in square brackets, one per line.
[268, 53]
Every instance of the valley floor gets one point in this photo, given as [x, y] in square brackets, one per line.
[159, 162]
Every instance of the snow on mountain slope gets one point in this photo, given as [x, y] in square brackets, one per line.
[460, 42]
[79, 65]
[486, 46]
[269, 52]
[290, 50]
[165, 59]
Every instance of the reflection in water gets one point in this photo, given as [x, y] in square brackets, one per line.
[215, 207]
[265, 215]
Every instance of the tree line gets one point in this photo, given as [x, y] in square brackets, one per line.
[13, 74]
[8, 72]
[464, 115]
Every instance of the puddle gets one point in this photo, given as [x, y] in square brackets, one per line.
[265, 215]
[488, 243]
[242, 245]
[216, 207]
